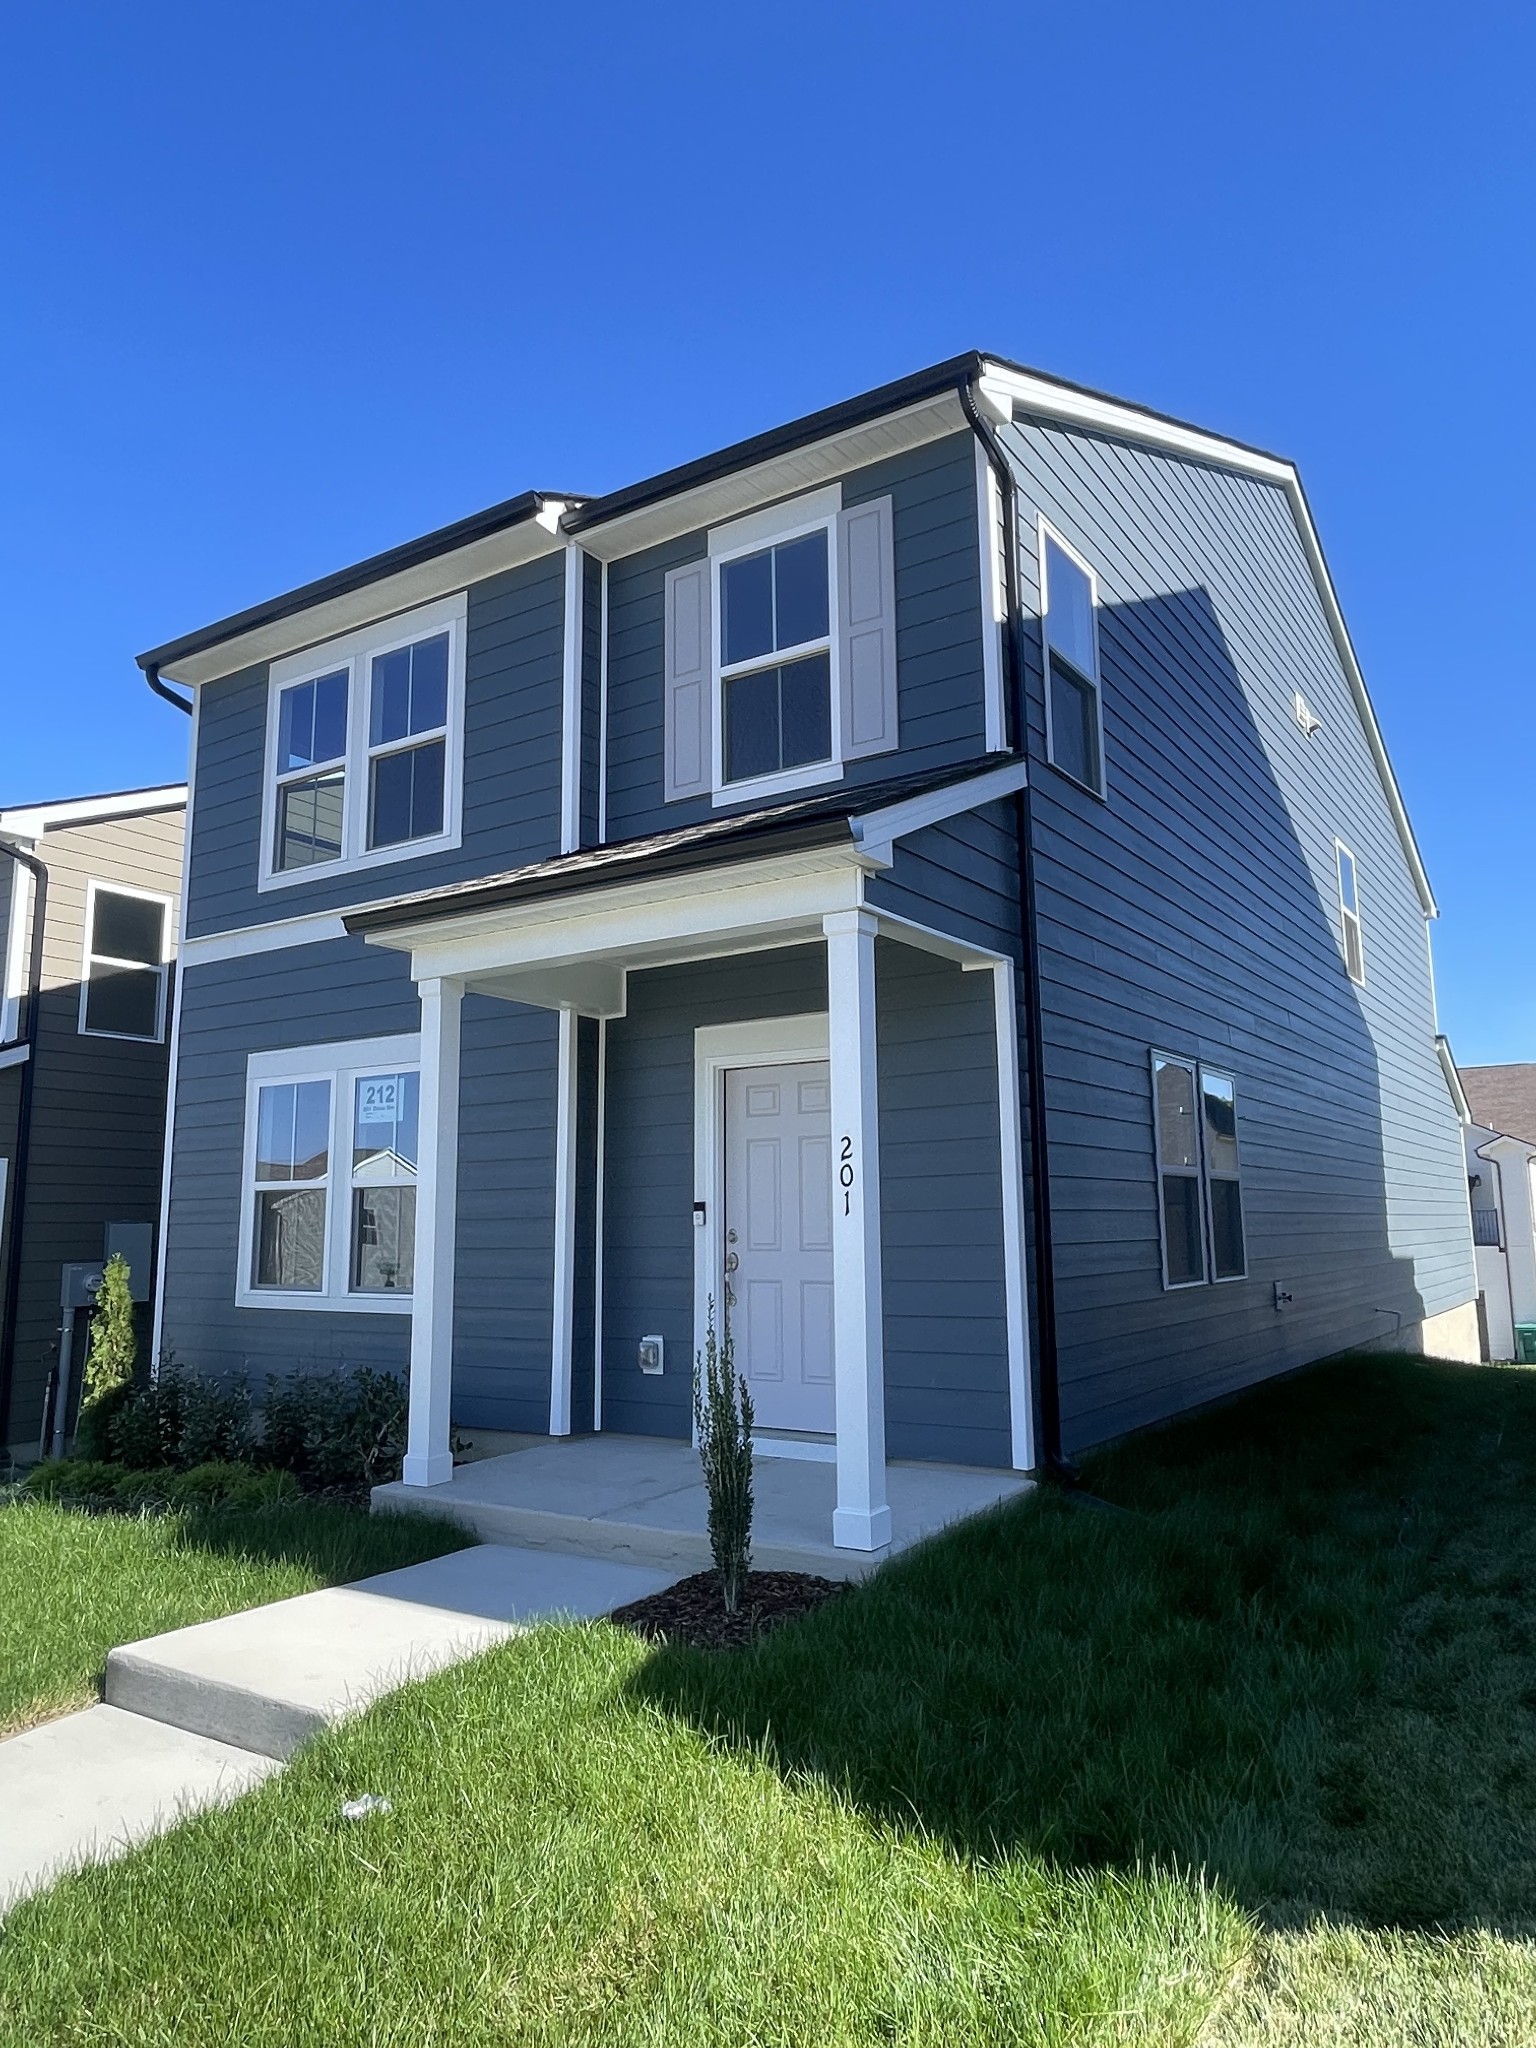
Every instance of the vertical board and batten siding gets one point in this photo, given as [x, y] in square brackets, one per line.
[325, 994]
[591, 695]
[946, 1340]
[1196, 911]
[512, 739]
[938, 638]
[98, 1106]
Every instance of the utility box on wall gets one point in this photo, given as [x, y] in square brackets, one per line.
[136, 1242]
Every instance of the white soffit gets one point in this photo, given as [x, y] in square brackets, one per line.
[402, 592]
[781, 476]
[30, 821]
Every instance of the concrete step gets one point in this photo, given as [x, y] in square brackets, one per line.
[88, 1787]
[268, 1679]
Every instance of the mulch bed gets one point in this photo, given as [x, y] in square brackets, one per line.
[691, 1611]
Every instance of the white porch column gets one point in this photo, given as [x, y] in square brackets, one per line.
[428, 1458]
[1011, 1154]
[862, 1520]
[563, 1315]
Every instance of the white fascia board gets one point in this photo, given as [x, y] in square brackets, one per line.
[14, 1056]
[781, 476]
[1453, 1079]
[441, 577]
[876, 830]
[248, 940]
[1130, 423]
[28, 822]
[1505, 1147]
[640, 923]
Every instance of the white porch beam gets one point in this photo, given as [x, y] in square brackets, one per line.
[429, 1457]
[862, 1519]
[563, 1321]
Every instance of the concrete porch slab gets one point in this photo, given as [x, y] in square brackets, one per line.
[641, 1500]
[268, 1679]
[88, 1787]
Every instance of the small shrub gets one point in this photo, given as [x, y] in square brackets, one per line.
[73, 1479]
[722, 1409]
[216, 1423]
[203, 1490]
[110, 1358]
[146, 1431]
[336, 1428]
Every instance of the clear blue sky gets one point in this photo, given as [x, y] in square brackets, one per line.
[286, 284]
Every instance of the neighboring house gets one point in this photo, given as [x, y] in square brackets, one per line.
[85, 1020]
[1500, 1137]
[599, 903]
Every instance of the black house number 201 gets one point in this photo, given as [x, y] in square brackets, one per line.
[845, 1175]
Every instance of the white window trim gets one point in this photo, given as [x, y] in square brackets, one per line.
[1354, 917]
[1046, 531]
[355, 653]
[167, 904]
[1200, 1172]
[12, 968]
[340, 1064]
[816, 512]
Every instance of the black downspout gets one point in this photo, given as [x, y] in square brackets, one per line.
[18, 1196]
[1048, 1374]
[152, 677]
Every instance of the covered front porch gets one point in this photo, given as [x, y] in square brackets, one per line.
[641, 1499]
[738, 952]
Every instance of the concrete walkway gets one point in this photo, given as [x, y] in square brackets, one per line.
[194, 1718]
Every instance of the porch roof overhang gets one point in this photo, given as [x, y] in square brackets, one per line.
[564, 933]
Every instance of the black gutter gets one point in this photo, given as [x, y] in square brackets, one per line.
[18, 1199]
[152, 677]
[409, 555]
[1047, 1355]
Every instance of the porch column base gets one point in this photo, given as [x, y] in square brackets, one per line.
[861, 1528]
[435, 1469]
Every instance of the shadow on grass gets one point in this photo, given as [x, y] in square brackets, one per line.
[337, 1543]
[1307, 1664]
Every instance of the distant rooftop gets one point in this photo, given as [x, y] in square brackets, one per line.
[1503, 1098]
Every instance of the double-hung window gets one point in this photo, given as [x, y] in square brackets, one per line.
[1200, 1204]
[776, 658]
[1349, 913]
[331, 1157]
[126, 975]
[1074, 721]
[780, 650]
[365, 747]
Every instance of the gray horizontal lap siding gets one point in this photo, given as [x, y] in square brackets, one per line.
[325, 994]
[1197, 911]
[938, 637]
[512, 737]
[945, 1332]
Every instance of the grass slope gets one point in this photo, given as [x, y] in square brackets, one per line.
[73, 1586]
[1252, 1763]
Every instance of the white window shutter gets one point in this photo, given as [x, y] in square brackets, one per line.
[866, 624]
[689, 767]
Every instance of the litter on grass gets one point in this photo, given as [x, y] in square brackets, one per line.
[359, 1809]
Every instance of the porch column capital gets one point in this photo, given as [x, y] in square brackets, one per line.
[862, 1520]
[429, 1458]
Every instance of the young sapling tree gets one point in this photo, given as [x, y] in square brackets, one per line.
[722, 1410]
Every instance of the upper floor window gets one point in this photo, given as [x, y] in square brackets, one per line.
[1349, 913]
[365, 746]
[1074, 719]
[126, 972]
[780, 659]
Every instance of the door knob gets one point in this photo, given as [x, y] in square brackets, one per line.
[731, 1262]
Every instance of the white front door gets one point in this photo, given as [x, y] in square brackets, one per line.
[778, 1221]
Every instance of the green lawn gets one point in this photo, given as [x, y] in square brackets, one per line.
[1254, 1763]
[73, 1586]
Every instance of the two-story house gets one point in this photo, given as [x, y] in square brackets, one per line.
[932, 869]
[89, 895]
